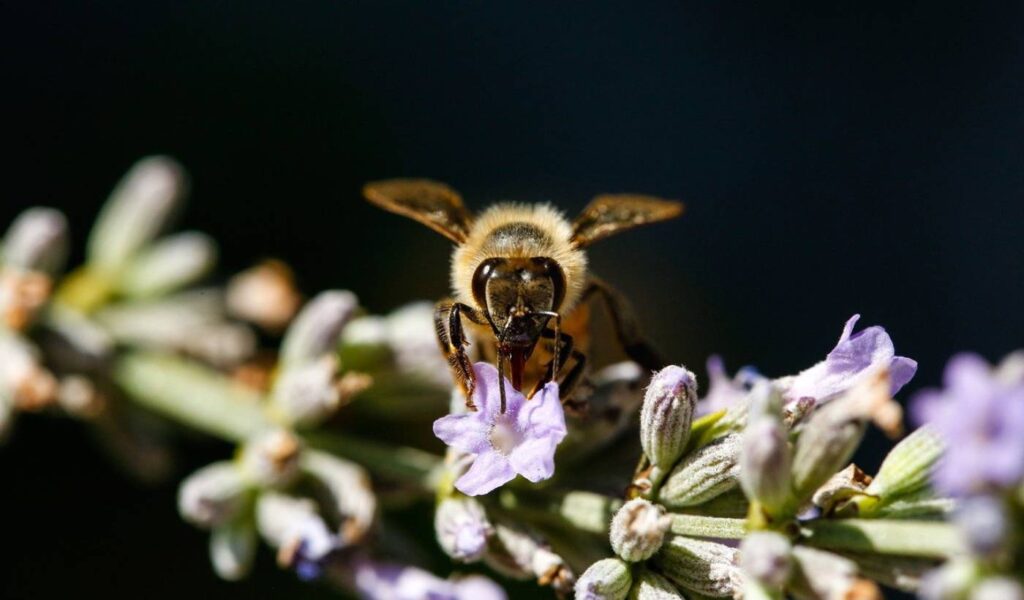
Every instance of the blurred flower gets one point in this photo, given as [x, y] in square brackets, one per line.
[855, 356]
[980, 416]
[985, 524]
[522, 440]
[388, 581]
[265, 295]
[32, 253]
[301, 536]
[723, 391]
[766, 557]
[409, 335]
[462, 528]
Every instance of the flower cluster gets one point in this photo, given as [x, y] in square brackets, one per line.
[747, 491]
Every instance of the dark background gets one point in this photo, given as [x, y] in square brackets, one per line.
[835, 158]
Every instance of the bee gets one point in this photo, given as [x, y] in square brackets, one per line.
[519, 275]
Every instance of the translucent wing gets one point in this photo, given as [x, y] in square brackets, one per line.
[611, 213]
[434, 204]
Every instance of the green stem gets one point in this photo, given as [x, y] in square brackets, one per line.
[203, 399]
[710, 527]
[584, 511]
[926, 539]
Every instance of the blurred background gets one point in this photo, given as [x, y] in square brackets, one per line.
[835, 159]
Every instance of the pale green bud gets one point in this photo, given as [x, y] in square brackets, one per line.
[825, 446]
[233, 549]
[703, 474]
[765, 556]
[652, 586]
[765, 463]
[638, 529]
[607, 579]
[139, 208]
[907, 468]
[37, 240]
[317, 328]
[707, 568]
[213, 495]
[667, 414]
[168, 265]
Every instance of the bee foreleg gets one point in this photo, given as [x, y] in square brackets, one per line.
[452, 338]
[562, 355]
[624, 321]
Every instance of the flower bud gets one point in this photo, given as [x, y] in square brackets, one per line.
[168, 265]
[26, 384]
[348, 487]
[908, 466]
[37, 240]
[997, 588]
[140, 207]
[306, 394]
[212, 495]
[462, 528]
[638, 529]
[300, 535]
[765, 557]
[317, 328]
[233, 549]
[703, 474]
[667, 414]
[821, 574]
[707, 568]
[765, 460]
[607, 579]
[651, 586]
[827, 442]
[272, 458]
[521, 554]
[265, 295]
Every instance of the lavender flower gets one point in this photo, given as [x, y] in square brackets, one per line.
[520, 441]
[724, 391]
[980, 415]
[388, 581]
[855, 356]
[462, 528]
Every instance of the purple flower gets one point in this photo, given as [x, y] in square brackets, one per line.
[855, 356]
[522, 440]
[387, 581]
[723, 391]
[980, 415]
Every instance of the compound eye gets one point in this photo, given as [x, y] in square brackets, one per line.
[483, 273]
[553, 271]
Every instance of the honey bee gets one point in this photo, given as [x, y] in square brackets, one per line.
[519, 275]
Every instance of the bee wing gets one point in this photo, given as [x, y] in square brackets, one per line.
[434, 204]
[608, 214]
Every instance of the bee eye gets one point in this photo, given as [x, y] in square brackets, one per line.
[553, 271]
[483, 273]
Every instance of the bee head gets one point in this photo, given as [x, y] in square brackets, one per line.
[512, 291]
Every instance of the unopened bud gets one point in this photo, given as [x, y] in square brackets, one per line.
[765, 556]
[272, 458]
[707, 568]
[703, 474]
[908, 467]
[765, 462]
[25, 382]
[212, 495]
[651, 586]
[667, 414]
[78, 396]
[23, 294]
[141, 205]
[348, 486]
[638, 529]
[984, 523]
[233, 549]
[607, 579]
[292, 525]
[825, 445]
[998, 588]
[168, 265]
[308, 393]
[317, 328]
[37, 240]
[462, 528]
[265, 295]
[821, 574]
[522, 554]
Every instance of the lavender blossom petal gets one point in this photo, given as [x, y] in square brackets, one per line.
[478, 587]
[466, 432]
[487, 394]
[543, 415]
[490, 470]
[534, 459]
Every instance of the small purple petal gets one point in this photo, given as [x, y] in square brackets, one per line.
[478, 587]
[466, 432]
[543, 414]
[490, 470]
[534, 459]
[487, 394]
[901, 371]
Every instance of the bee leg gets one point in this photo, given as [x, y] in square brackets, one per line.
[452, 339]
[561, 356]
[627, 328]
